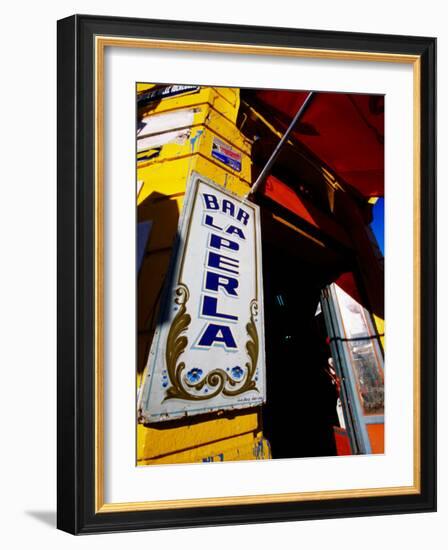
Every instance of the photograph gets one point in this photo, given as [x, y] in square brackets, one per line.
[260, 274]
[244, 214]
[223, 282]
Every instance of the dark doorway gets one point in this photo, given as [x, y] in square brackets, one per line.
[300, 411]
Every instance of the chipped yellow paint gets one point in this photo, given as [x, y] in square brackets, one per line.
[198, 437]
[236, 447]
[163, 178]
[225, 101]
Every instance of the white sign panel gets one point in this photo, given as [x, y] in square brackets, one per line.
[208, 350]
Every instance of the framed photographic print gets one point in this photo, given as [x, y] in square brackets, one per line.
[246, 274]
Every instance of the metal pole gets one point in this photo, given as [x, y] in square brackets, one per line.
[280, 144]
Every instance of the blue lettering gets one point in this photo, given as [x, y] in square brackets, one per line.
[210, 309]
[214, 280]
[224, 263]
[211, 202]
[235, 230]
[228, 208]
[242, 216]
[217, 333]
[210, 222]
[220, 242]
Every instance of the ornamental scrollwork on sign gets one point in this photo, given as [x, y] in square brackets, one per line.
[187, 385]
[252, 348]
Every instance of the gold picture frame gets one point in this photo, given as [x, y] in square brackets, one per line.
[83, 41]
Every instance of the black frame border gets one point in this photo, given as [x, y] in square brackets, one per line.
[76, 262]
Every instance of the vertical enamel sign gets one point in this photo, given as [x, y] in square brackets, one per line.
[208, 350]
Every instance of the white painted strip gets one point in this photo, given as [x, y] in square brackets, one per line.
[164, 122]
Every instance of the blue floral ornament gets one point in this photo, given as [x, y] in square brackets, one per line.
[194, 375]
[237, 372]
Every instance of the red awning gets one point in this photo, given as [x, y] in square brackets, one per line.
[281, 193]
[346, 131]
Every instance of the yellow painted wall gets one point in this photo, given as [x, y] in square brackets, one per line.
[162, 176]
[162, 181]
[380, 327]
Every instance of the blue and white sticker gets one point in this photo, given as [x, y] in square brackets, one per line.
[226, 154]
